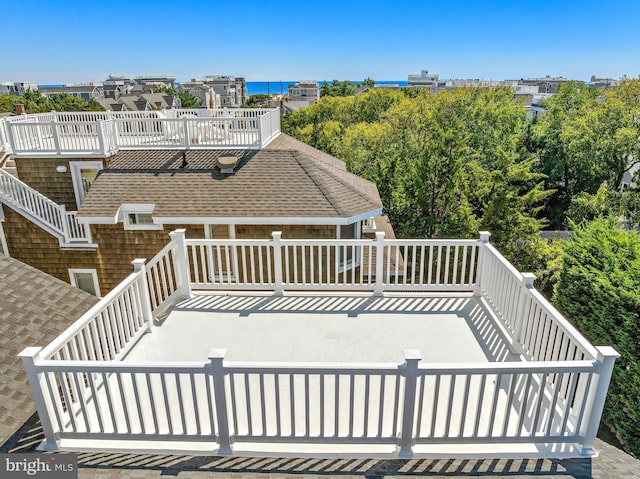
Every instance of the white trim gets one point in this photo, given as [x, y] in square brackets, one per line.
[94, 276]
[127, 209]
[3, 240]
[261, 220]
[76, 178]
[98, 220]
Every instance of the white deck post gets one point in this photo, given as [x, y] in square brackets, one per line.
[411, 357]
[379, 244]
[480, 270]
[56, 138]
[181, 263]
[278, 288]
[63, 223]
[606, 357]
[147, 312]
[101, 142]
[527, 284]
[44, 408]
[187, 139]
[216, 356]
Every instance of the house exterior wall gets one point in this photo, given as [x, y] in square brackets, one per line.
[32, 245]
[41, 174]
[117, 247]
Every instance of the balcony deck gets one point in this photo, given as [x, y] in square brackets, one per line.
[449, 352]
[328, 327]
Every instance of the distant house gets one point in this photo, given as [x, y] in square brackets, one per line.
[144, 102]
[17, 87]
[305, 90]
[423, 80]
[154, 81]
[205, 93]
[86, 92]
[232, 90]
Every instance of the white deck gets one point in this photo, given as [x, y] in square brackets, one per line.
[321, 328]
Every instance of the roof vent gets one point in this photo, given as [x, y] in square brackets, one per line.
[227, 164]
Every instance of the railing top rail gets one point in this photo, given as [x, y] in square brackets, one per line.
[54, 346]
[254, 367]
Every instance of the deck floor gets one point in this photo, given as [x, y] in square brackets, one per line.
[324, 328]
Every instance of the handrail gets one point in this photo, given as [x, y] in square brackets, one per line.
[43, 211]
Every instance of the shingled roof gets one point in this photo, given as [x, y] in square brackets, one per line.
[271, 183]
[34, 309]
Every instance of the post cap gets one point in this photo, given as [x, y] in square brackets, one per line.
[379, 235]
[484, 236]
[217, 353]
[608, 351]
[138, 263]
[178, 232]
[30, 352]
[276, 234]
[412, 354]
[528, 279]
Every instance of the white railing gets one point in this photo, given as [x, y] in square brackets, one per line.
[554, 396]
[110, 328]
[104, 133]
[41, 210]
[406, 404]
[537, 329]
[369, 265]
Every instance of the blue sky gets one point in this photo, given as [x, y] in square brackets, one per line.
[58, 41]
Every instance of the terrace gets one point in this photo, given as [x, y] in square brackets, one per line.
[104, 133]
[330, 348]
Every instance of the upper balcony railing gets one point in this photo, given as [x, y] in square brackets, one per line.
[103, 133]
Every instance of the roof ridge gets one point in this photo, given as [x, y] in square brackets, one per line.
[317, 181]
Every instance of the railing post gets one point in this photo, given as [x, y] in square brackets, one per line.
[56, 138]
[101, 142]
[527, 284]
[411, 358]
[480, 269]
[216, 358]
[278, 287]
[379, 247]
[11, 138]
[44, 407]
[143, 285]
[187, 139]
[260, 145]
[606, 357]
[181, 262]
[64, 225]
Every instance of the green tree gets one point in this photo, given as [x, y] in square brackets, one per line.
[367, 83]
[599, 290]
[586, 138]
[187, 99]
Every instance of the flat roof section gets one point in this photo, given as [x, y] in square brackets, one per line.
[445, 328]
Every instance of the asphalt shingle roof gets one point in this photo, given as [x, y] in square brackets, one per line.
[34, 309]
[268, 183]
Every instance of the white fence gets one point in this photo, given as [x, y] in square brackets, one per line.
[555, 397]
[104, 133]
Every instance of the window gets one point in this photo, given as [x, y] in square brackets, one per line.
[83, 174]
[140, 221]
[3, 240]
[350, 255]
[86, 280]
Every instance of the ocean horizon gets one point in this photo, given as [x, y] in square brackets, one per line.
[275, 87]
